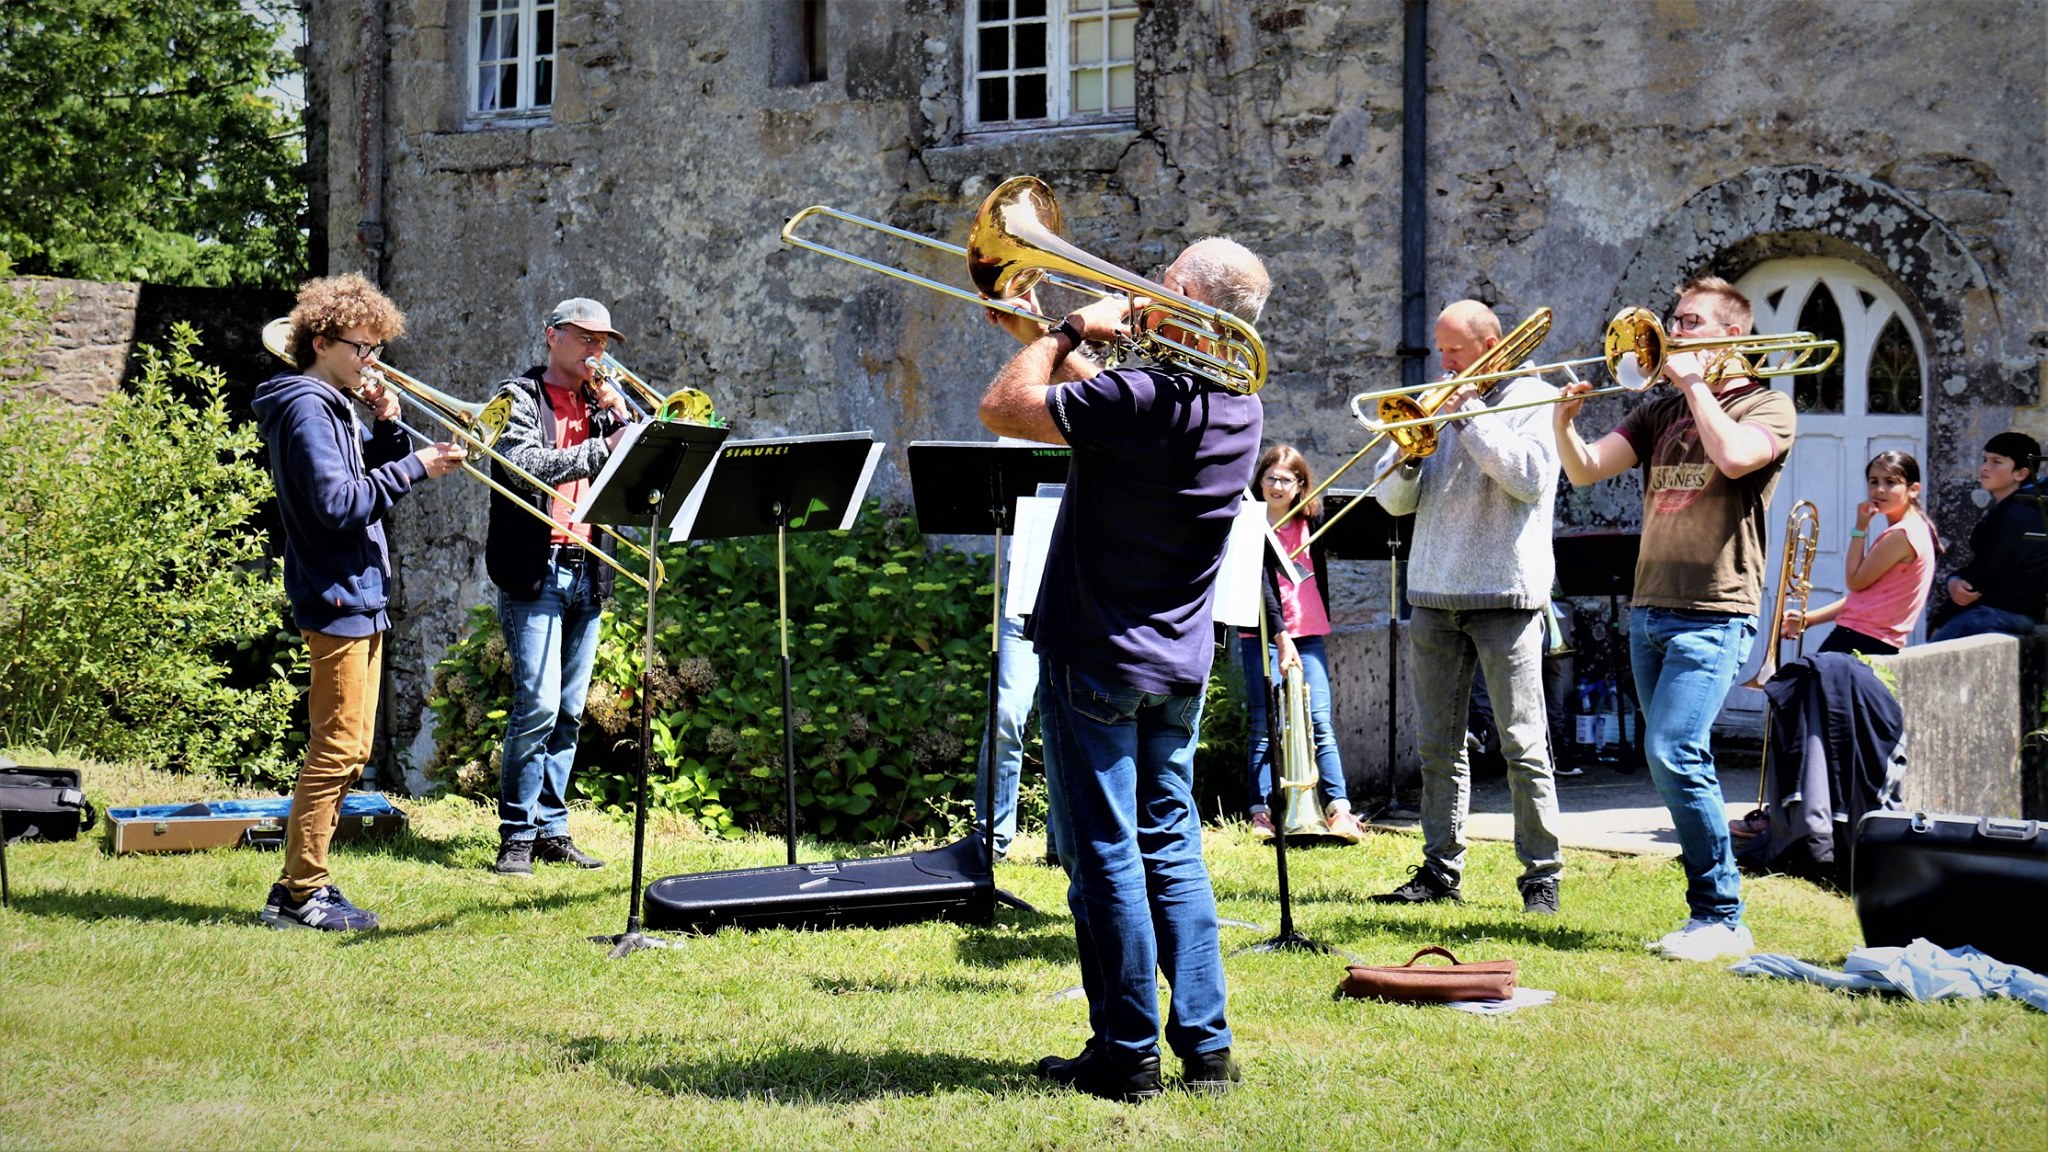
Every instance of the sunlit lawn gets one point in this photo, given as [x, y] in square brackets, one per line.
[142, 1005]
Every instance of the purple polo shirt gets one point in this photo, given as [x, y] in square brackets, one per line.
[1161, 460]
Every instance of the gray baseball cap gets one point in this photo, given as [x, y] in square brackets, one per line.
[586, 314]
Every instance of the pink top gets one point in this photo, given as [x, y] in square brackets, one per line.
[1301, 605]
[1888, 609]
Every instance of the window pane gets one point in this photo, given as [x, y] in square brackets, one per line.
[1031, 97]
[1087, 92]
[544, 31]
[994, 49]
[508, 86]
[1123, 88]
[487, 88]
[1821, 392]
[995, 9]
[1123, 38]
[1031, 46]
[1894, 372]
[508, 37]
[487, 39]
[1085, 45]
[1084, 5]
[1030, 9]
[544, 83]
[993, 99]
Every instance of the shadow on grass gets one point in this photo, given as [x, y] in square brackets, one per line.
[847, 986]
[1427, 928]
[801, 1074]
[992, 948]
[95, 904]
[524, 902]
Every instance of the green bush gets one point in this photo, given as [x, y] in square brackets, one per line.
[132, 587]
[889, 658]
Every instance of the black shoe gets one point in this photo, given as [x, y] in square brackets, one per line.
[562, 850]
[515, 857]
[1539, 895]
[1211, 1072]
[1102, 1075]
[1425, 886]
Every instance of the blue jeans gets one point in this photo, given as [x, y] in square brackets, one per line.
[1120, 769]
[1016, 685]
[1984, 620]
[552, 640]
[1315, 669]
[1684, 664]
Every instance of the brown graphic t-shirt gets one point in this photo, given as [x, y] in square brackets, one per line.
[1704, 542]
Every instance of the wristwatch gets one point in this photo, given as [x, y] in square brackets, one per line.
[1066, 328]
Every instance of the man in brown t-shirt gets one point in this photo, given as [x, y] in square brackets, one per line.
[1710, 453]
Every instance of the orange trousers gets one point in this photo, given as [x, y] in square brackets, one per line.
[342, 708]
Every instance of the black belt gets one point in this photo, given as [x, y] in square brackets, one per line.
[567, 555]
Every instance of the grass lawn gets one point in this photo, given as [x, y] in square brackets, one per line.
[143, 1005]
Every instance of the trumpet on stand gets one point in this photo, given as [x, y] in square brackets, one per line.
[1795, 581]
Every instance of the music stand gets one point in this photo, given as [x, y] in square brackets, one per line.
[1604, 564]
[643, 482]
[779, 486]
[971, 488]
[1373, 533]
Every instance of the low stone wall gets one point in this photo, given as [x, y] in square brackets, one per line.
[1358, 707]
[1966, 717]
[92, 328]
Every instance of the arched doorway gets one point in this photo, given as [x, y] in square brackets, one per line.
[1872, 400]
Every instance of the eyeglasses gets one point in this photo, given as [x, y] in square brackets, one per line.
[1689, 322]
[597, 340]
[1279, 481]
[363, 351]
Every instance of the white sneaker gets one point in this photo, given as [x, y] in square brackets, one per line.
[1705, 940]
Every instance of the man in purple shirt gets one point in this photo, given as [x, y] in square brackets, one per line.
[1161, 459]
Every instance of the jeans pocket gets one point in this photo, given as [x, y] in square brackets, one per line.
[1102, 703]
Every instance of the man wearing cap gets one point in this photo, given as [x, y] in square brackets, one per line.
[563, 426]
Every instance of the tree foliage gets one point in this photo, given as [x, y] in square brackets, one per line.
[138, 618]
[148, 143]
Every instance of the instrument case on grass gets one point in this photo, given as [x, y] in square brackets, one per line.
[949, 883]
[43, 803]
[227, 823]
[1955, 880]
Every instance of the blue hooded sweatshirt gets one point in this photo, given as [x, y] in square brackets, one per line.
[335, 482]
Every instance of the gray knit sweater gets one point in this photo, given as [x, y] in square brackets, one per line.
[1482, 505]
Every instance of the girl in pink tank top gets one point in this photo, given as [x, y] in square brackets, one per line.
[1889, 577]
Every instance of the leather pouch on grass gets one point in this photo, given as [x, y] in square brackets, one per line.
[1414, 983]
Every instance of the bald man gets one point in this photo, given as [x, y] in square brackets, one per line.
[1479, 577]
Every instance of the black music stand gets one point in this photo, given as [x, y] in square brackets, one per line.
[1604, 564]
[971, 488]
[1373, 533]
[779, 486]
[644, 482]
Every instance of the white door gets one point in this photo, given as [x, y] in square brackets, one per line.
[1872, 400]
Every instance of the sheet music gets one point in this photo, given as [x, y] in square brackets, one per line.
[860, 489]
[620, 451]
[1028, 546]
[1238, 598]
[686, 516]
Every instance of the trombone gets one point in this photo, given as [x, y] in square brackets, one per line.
[477, 426]
[1795, 582]
[1634, 350]
[1409, 416]
[1015, 244]
[684, 405]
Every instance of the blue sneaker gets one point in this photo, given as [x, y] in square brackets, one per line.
[326, 909]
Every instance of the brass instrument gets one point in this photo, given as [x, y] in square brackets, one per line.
[1015, 244]
[1637, 348]
[477, 428]
[684, 405]
[1409, 418]
[1303, 815]
[1795, 580]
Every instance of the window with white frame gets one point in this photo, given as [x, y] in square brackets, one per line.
[513, 58]
[1032, 63]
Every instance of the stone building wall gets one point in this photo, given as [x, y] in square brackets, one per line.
[91, 331]
[1580, 157]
